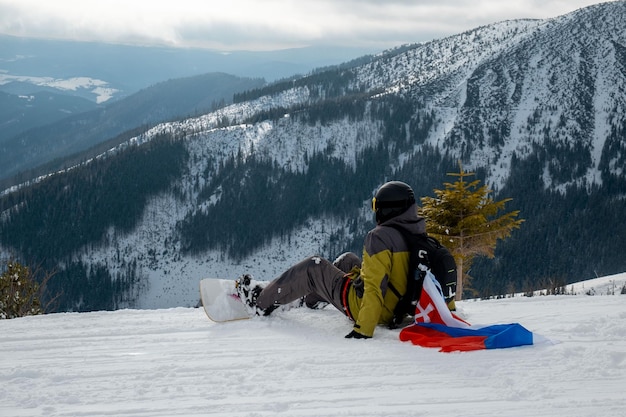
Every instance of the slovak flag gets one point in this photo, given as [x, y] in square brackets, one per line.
[436, 326]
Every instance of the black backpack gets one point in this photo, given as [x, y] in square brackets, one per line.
[426, 251]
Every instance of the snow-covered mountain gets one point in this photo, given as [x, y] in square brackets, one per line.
[534, 107]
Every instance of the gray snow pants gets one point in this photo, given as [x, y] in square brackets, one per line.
[314, 278]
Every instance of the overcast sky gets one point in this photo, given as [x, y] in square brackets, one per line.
[265, 24]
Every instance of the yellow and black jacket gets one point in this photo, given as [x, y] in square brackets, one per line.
[385, 261]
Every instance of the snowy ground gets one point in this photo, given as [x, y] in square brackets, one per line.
[176, 362]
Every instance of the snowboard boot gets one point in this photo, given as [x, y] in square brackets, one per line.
[248, 290]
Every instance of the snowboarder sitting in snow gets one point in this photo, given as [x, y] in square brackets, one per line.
[367, 293]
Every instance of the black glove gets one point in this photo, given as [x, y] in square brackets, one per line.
[356, 335]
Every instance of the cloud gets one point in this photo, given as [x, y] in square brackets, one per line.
[267, 24]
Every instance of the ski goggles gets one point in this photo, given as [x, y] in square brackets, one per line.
[374, 208]
[377, 205]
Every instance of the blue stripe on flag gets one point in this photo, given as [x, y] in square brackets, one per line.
[497, 336]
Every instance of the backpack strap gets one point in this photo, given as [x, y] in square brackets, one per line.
[425, 253]
[415, 277]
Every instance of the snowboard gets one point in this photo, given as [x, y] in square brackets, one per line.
[220, 300]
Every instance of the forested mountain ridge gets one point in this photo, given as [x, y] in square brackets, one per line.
[535, 108]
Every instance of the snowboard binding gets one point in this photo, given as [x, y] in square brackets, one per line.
[248, 290]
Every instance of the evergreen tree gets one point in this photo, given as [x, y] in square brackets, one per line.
[465, 219]
[19, 292]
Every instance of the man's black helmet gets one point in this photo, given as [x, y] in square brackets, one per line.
[392, 198]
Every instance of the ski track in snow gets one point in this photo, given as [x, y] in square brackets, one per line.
[175, 362]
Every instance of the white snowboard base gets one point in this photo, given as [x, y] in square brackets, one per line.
[220, 300]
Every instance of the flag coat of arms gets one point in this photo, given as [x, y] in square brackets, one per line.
[436, 326]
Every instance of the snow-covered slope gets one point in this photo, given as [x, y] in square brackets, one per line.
[176, 362]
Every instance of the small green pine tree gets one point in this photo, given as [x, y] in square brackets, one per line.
[19, 292]
[465, 219]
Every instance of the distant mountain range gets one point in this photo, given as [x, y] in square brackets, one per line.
[534, 107]
[48, 87]
[79, 68]
[89, 129]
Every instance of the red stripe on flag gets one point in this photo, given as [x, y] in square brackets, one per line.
[428, 337]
